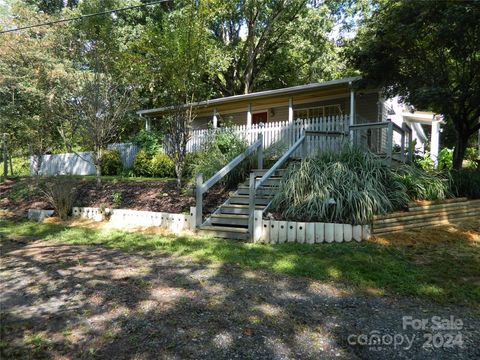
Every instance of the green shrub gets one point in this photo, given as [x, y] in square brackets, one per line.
[111, 162]
[466, 183]
[425, 162]
[220, 148]
[141, 165]
[158, 165]
[162, 166]
[149, 141]
[445, 159]
[349, 186]
[423, 185]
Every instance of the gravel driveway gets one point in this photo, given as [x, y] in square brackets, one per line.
[64, 301]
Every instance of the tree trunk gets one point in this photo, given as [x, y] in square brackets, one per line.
[98, 167]
[460, 148]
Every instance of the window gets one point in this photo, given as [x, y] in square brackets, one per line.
[318, 111]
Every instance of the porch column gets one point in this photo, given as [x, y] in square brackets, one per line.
[290, 110]
[148, 124]
[434, 140]
[249, 116]
[352, 112]
[215, 119]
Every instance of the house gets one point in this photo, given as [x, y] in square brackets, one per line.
[305, 119]
[307, 104]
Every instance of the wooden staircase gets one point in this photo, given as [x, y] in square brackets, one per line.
[230, 220]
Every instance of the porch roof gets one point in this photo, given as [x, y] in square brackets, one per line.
[340, 84]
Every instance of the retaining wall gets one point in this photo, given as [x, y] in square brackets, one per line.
[427, 214]
[175, 223]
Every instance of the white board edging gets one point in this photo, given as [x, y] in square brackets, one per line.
[176, 223]
[278, 232]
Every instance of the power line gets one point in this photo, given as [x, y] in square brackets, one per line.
[81, 17]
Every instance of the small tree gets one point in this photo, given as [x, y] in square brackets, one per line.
[179, 123]
[101, 106]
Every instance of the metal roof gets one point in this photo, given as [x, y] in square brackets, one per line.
[260, 94]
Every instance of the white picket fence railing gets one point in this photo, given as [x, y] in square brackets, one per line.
[282, 131]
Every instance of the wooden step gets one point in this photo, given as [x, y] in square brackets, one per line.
[269, 190]
[235, 220]
[260, 173]
[224, 232]
[244, 200]
[237, 209]
[275, 181]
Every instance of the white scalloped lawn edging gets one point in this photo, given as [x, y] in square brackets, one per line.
[176, 223]
[278, 232]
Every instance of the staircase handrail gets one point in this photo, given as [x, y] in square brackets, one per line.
[254, 184]
[203, 187]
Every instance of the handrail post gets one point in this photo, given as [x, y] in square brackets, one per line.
[304, 146]
[411, 149]
[199, 200]
[260, 152]
[389, 141]
[404, 130]
[251, 205]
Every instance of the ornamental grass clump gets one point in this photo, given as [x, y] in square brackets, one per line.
[424, 184]
[350, 186]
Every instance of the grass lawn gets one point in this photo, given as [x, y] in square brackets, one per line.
[441, 264]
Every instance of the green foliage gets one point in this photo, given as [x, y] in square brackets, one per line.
[425, 162]
[426, 52]
[466, 183]
[445, 159]
[111, 163]
[349, 186]
[424, 185]
[149, 141]
[117, 199]
[162, 166]
[158, 165]
[220, 148]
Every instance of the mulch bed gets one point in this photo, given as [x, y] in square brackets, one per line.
[16, 197]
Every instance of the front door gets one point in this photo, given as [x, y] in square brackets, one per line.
[261, 117]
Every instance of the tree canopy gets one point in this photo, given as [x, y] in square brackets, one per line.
[429, 54]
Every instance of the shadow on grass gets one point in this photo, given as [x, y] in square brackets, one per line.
[447, 272]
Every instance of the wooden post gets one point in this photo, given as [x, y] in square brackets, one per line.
[304, 147]
[290, 110]
[251, 206]
[434, 140]
[215, 119]
[249, 116]
[402, 145]
[199, 200]
[389, 141]
[352, 112]
[260, 153]
[257, 230]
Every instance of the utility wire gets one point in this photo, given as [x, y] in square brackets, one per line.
[81, 17]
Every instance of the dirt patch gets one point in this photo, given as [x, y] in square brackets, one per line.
[17, 196]
[65, 301]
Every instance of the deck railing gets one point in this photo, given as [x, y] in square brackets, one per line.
[378, 137]
[273, 132]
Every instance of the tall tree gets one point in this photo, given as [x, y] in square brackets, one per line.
[428, 53]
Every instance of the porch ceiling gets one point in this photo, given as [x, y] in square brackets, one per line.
[270, 98]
